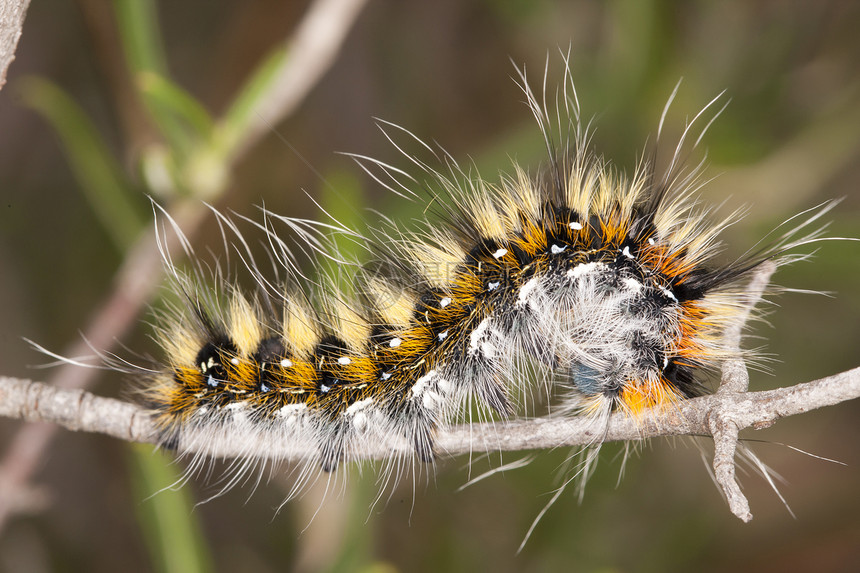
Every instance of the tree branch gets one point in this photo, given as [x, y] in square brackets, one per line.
[78, 410]
[11, 24]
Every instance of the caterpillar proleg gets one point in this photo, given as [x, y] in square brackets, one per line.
[606, 289]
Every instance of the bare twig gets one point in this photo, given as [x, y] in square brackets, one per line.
[725, 433]
[11, 23]
[81, 411]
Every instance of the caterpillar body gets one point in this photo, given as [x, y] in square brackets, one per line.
[606, 285]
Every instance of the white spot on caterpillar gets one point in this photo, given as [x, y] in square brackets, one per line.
[443, 335]
[211, 381]
[632, 284]
[422, 385]
[286, 363]
[576, 226]
[359, 406]
[358, 415]
[487, 348]
[651, 241]
[239, 412]
[493, 285]
[234, 361]
[444, 386]
[445, 302]
[555, 249]
[526, 291]
[431, 400]
[626, 253]
[291, 411]
[500, 253]
[668, 293]
[385, 376]
[394, 342]
[359, 422]
[581, 269]
[344, 360]
[665, 362]
[324, 388]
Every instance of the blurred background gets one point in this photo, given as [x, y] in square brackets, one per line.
[110, 102]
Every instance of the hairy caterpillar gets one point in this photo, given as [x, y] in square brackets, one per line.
[607, 286]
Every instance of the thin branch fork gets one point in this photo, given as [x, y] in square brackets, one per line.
[735, 381]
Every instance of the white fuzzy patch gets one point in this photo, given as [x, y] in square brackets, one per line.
[426, 391]
[582, 269]
[359, 406]
[632, 284]
[422, 384]
[488, 349]
[444, 385]
[291, 412]
[526, 291]
[359, 422]
[478, 333]
[478, 340]
[431, 400]
[239, 411]
[358, 413]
